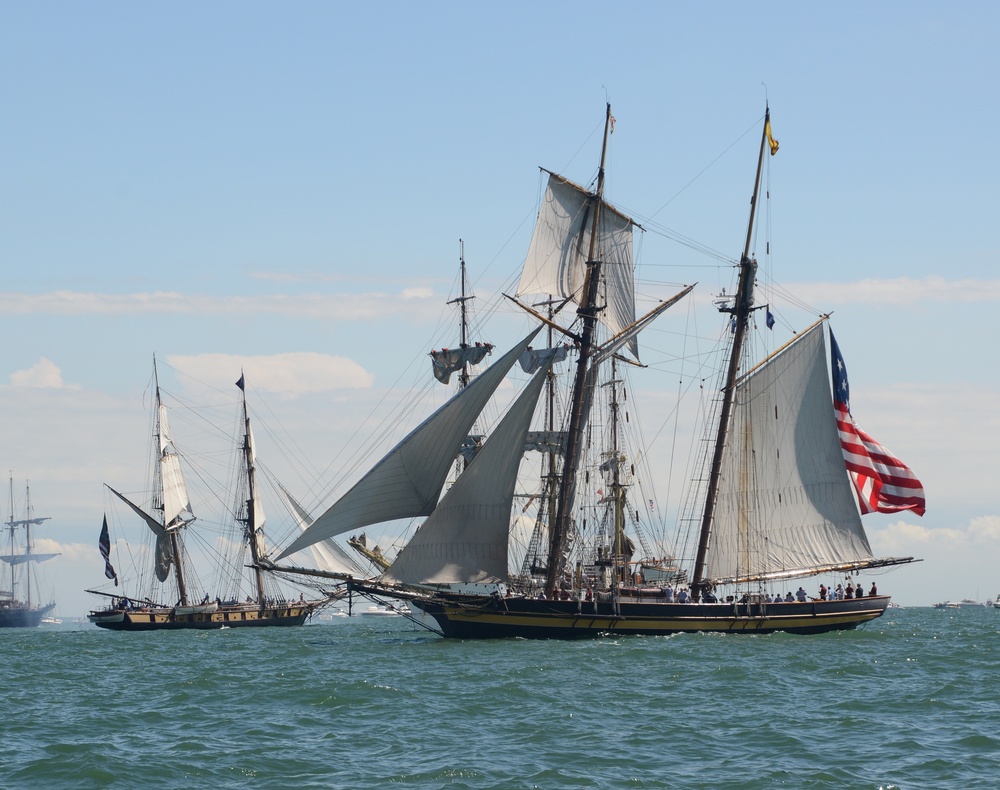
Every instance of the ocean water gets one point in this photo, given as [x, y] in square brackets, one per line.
[909, 701]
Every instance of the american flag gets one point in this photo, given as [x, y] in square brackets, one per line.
[105, 545]
[883, 483]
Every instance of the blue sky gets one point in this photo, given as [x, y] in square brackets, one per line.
[283, 188]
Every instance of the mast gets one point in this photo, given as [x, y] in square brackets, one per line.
[550, 476]
[12, 525]
[172, 529]
[581, 397]
[27, 544]
[741, 309]
[463, 379]
[617, 489]
[250, 526]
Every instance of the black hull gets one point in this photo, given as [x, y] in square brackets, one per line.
[468, 617]
[23, 616]
[167, 620]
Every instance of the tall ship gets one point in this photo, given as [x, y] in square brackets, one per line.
[166, 592]
[20, 602]
[787, 471]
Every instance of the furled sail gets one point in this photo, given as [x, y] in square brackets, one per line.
[448, 360]
[532, 359]
[20, 559]
[546, 441]
[785, 505]
[465, 538]
[556, 264]
[408, 481]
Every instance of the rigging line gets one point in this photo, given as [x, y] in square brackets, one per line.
[754, 126]
[652, 226]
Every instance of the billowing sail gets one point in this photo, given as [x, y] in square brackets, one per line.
[556, 264]
[176, 505]
[465, 538]
[256, 529]
[164, 552]
[408, 481]
[783, 480]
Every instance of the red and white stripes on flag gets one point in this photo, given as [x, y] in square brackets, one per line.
[883, 483]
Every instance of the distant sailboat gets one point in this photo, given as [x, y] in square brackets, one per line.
[787, 471]
[19, 606]
[147, 611]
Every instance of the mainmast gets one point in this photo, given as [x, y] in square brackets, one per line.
[463, 376]
[581, 397]
[250, 527]
[740, 310]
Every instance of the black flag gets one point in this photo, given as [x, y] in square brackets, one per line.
[240, 382]
[105, 544]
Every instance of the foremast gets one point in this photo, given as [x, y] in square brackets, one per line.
[581, 399]
[167, 467]
[741, 309]
[463, 376]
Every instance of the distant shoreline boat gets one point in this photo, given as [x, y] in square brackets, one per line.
[965, 603]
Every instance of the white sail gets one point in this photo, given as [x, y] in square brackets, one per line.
[408, 481]
[257, 528]
[20, 559]
[785, 504]
[465, 538]
[556, 264]
[176, 504]
[327, 554]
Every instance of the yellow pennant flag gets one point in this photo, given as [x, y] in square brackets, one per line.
[770, 140]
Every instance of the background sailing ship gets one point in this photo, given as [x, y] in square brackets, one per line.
[167, 593]
[19, 602]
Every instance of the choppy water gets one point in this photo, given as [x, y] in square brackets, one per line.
[910, 701]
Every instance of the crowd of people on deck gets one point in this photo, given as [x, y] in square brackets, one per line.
[840, 593]
[845, 593]
[683, 595]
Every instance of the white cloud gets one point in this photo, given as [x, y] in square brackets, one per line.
[44, 374]
[903, 290]
[414, 303]
[288, 375]
[957, 562]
